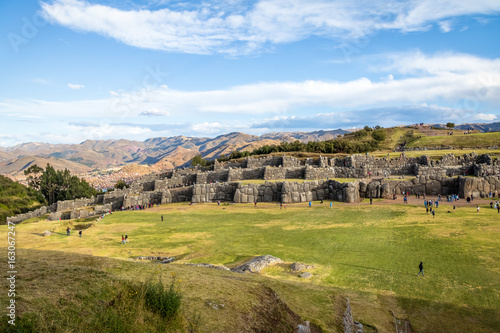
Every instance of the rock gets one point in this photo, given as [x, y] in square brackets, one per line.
[257, 264]
[296, 267]
[168, 260]
[306, 275]
[47, 233]
[222, 268]
[304, 328]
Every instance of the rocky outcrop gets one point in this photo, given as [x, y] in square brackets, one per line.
[257, 264]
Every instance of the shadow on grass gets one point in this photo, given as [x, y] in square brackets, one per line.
[432, 316]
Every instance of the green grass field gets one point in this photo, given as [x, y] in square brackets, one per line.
[459, 141]
[368, 253]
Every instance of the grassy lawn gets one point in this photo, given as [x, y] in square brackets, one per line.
[437, 154]
[459, 141]
[369, 253]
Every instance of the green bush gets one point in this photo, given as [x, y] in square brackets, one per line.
[163, 301]
[379, 135]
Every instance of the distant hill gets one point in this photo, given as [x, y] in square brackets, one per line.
[18, 165]
[160, 153]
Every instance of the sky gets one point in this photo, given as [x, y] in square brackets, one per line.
[74, 70]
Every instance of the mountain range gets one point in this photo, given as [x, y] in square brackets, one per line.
[161, 153]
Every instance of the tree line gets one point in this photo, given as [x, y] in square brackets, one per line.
[57, 185]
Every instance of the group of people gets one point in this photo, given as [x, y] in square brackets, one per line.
[125, 239]
[68, 232]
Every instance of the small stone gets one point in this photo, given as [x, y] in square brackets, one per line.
[47, 233]
[306, 275]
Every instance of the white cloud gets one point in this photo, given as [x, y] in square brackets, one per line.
[458, 87]
[445, 26]
[485, 117]
[154, 112]
[75, 86]
[223, 27]
[450, 78]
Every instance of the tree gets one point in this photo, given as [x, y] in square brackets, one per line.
[58, 185]
[34, 174]
[368, 128]
[450, 125]
[198, 160]
[379, 135]
[120, 184]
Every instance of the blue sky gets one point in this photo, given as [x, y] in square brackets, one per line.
[74, 70]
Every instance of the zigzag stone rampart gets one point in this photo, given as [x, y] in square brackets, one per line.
[463, 175]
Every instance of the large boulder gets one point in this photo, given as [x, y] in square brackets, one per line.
[257, 264]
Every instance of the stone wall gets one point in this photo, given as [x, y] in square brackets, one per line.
[274, 173]
[479, 186]
[244, 174]
[259, 162]
[213, 192]
[291, 162]
[432, 177]
[267, 192]
[21, 217]
[212, 177]
[312, 173]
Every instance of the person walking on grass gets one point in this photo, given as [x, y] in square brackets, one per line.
[162, 218]
[433, 213]
[126, 238]
[477, 209]
[421, 268]
[123, 240]
[80, 233]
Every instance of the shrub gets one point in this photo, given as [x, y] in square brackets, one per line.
[379, 135]
[163, 301]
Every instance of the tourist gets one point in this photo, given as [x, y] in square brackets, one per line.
[162, 217]
[427, 210]
[331, 204]
[421, 268]
[477, 209]
[453, 208]
[123, 240]
[68, 230]
[371, 200]
[310, 204]
[433, 213]
[126, 238]
[80, 233]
